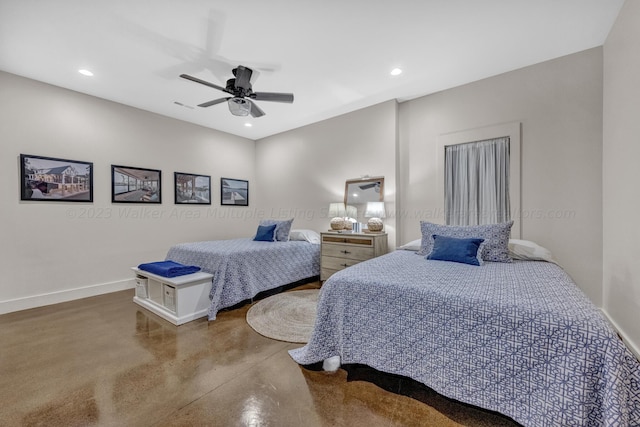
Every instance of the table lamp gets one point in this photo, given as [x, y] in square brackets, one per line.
[375, 211]
[337, 212]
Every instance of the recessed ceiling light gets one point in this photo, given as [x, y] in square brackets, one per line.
[85, 72]
[248, 125]
[396, 72]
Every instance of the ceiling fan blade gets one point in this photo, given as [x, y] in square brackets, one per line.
[365, 186]
[197, 80]
[255, 110]
[214, 102]
[272, 96]
[243, 77]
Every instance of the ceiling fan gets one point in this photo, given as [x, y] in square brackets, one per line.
[240, 103]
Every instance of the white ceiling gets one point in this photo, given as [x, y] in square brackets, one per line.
[335, 56]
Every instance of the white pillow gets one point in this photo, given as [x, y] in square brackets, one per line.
[413, 245]
[305, 235]
[529, 251]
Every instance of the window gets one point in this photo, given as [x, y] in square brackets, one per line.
[477, 182]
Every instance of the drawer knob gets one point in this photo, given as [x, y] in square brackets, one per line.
[345, 252]
[344, 265]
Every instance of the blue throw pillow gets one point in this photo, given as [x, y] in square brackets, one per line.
[456, 250]
[265, 233]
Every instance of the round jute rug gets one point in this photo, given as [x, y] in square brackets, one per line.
[288, 316]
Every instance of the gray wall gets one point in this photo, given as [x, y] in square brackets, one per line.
[559, 104]
[621, 152]
[53, 252]
[301, 171]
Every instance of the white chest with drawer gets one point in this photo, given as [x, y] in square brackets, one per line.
[178, 299]
[342, 250]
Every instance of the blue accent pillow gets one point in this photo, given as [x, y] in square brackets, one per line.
[265, 233]
[465, 251]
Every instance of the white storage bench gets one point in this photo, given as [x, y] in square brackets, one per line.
[179, 299]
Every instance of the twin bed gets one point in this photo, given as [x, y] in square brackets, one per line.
[242, 268]
[516, 337]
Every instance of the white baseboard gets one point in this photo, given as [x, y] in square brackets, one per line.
[635, 349]
[41, 300]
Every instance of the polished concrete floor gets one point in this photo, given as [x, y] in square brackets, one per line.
[104, 361]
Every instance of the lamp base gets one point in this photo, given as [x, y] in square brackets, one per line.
[375, 224]
[337, 223]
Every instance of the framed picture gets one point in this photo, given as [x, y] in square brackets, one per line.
[135, 185]
[192, 189]
[55, 180]
[234, 192]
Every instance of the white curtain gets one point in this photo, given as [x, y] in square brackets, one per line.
[477, 182]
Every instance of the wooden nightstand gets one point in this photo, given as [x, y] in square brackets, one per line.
[342, 250]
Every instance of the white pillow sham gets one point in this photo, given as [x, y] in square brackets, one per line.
[305, 235]
[529, 251]
[413, 245]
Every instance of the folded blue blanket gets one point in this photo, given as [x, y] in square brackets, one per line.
[169, 268]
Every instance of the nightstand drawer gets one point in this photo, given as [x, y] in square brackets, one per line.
[347, 251]
[333, 263]
[348, 240]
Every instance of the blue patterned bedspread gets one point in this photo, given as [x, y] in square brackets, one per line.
[517, 338]
[242, 268]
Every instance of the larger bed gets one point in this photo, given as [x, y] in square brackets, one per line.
[518, 338]
[242, 268]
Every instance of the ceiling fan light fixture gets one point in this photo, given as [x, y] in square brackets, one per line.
[239, 106]
[242, 95]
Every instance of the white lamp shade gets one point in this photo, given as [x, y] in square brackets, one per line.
[374, 210]
[337, 210]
